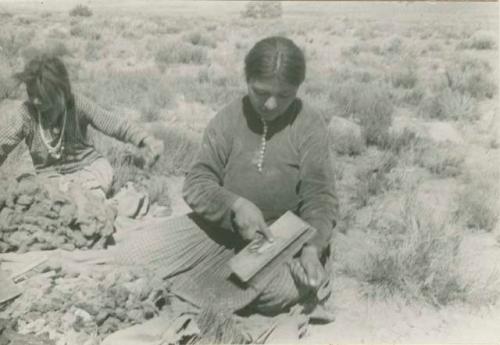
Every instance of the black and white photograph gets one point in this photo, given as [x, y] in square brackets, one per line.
[249, 172]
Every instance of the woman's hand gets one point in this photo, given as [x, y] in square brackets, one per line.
[313, 268]
[249, 220]
[309, 270]
[154, 148]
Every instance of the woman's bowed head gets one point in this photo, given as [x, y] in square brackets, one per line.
[274, 68]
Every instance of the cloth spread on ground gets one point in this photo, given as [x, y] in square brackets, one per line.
[297, 173]
[21, 124]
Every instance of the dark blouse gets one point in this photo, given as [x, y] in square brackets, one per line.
[297, 172]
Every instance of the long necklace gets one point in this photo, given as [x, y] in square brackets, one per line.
[54, 151]
[262, 147]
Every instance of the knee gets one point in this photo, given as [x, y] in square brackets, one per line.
[280, 294]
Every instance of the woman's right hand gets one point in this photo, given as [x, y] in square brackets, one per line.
[153, 150]
[249, 220]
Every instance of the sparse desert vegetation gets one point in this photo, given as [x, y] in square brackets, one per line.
[381, 83]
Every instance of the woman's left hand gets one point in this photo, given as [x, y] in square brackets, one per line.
[154, 148]
[314, 273]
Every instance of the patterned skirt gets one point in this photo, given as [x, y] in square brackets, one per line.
[193, 256]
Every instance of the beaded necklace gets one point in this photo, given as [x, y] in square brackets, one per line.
[262, 147]
[54, 151]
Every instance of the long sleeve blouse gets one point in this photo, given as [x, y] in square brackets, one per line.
[297, 173]
[20, 122]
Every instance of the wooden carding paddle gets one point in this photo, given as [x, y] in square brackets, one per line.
[260, 257]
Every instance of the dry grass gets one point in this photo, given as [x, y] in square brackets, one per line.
[12, 42]
[369, 104]
[443, 160]
[179, 53]
[471, 76]
[145, 91]
[413, 254]
[447, 104]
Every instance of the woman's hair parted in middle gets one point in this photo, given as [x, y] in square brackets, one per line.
[276, 56]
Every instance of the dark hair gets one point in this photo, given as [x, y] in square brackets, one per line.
[276, 57]
[43, 75]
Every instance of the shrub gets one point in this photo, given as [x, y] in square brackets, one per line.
[128, 165]
[93, 50]
[180, 53]
[80, 11]
[480, 40]
[443, 160]
[447, 104]
[400, 142]
[85, 31]
[8, 85]
[434, 47]
[369, 104]
[414, 254]
[209, 88]
[412, 97]
[393, 45]
[26, 19]
[478, 203]
[181, 149]
[405, 77]
[198, 39]
[345, 136]
[57, 48]
[372, 179]
[5, 15]
[471, 77]
[263, 9]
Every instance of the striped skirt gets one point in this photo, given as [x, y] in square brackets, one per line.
[193, 256]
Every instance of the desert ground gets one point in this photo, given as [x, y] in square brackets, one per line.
[410, 95]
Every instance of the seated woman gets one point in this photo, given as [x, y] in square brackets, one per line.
[261, 156]
[53, 122]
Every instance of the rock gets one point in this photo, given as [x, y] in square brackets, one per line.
[83, 314]
[443, 132]
[102, 316]
[135, 314]
[346, 136]
[27, 185]
[25, 200]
